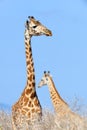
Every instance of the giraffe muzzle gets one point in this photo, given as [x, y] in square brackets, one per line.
[48, 33]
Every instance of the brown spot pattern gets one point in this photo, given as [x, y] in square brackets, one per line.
[32, 64]
[25, 103]
[29, 104]
[23, 94]
[28, 62]
[30, 69]
[27, 72]
[25, 109]
[27, 53]
[30, 55]
[33, 84]
[21, 103]
[33, 95]
[33, 77]
[36, 103]
[30, 49]
[26, 99]
[33, 110]
[26, 43]
[30, 77]
[29, 114]
[30, 85]
[23, 112]
[28, 91]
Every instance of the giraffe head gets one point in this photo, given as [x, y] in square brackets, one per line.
[45, 79]
[35, 28]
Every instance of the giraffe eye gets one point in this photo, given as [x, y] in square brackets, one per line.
[34, 26]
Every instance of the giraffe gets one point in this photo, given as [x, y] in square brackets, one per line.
[62, 109]
[58, 103]
[28, 107]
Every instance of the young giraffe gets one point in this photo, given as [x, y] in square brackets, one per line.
[28, 106]
[60, 106]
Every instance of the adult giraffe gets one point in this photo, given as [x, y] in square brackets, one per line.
[28, 107]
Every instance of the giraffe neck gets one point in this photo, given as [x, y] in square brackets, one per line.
[29, 63]
[29, 98]
[58, 102]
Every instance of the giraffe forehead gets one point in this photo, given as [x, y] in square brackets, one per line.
[32, 23]
[45, 75]
[35, 21]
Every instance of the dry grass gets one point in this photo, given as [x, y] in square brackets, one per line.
[49, 122]
[5, 121]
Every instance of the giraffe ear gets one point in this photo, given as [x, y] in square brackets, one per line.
[26, 24]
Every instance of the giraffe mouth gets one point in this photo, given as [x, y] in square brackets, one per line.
[48, 33]
[39, 86]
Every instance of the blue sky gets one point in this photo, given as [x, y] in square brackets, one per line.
[64, 54]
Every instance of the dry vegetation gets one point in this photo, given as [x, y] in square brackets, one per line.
[49, 122]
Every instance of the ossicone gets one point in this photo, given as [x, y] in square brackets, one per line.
[44, 72]
[30, 17]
